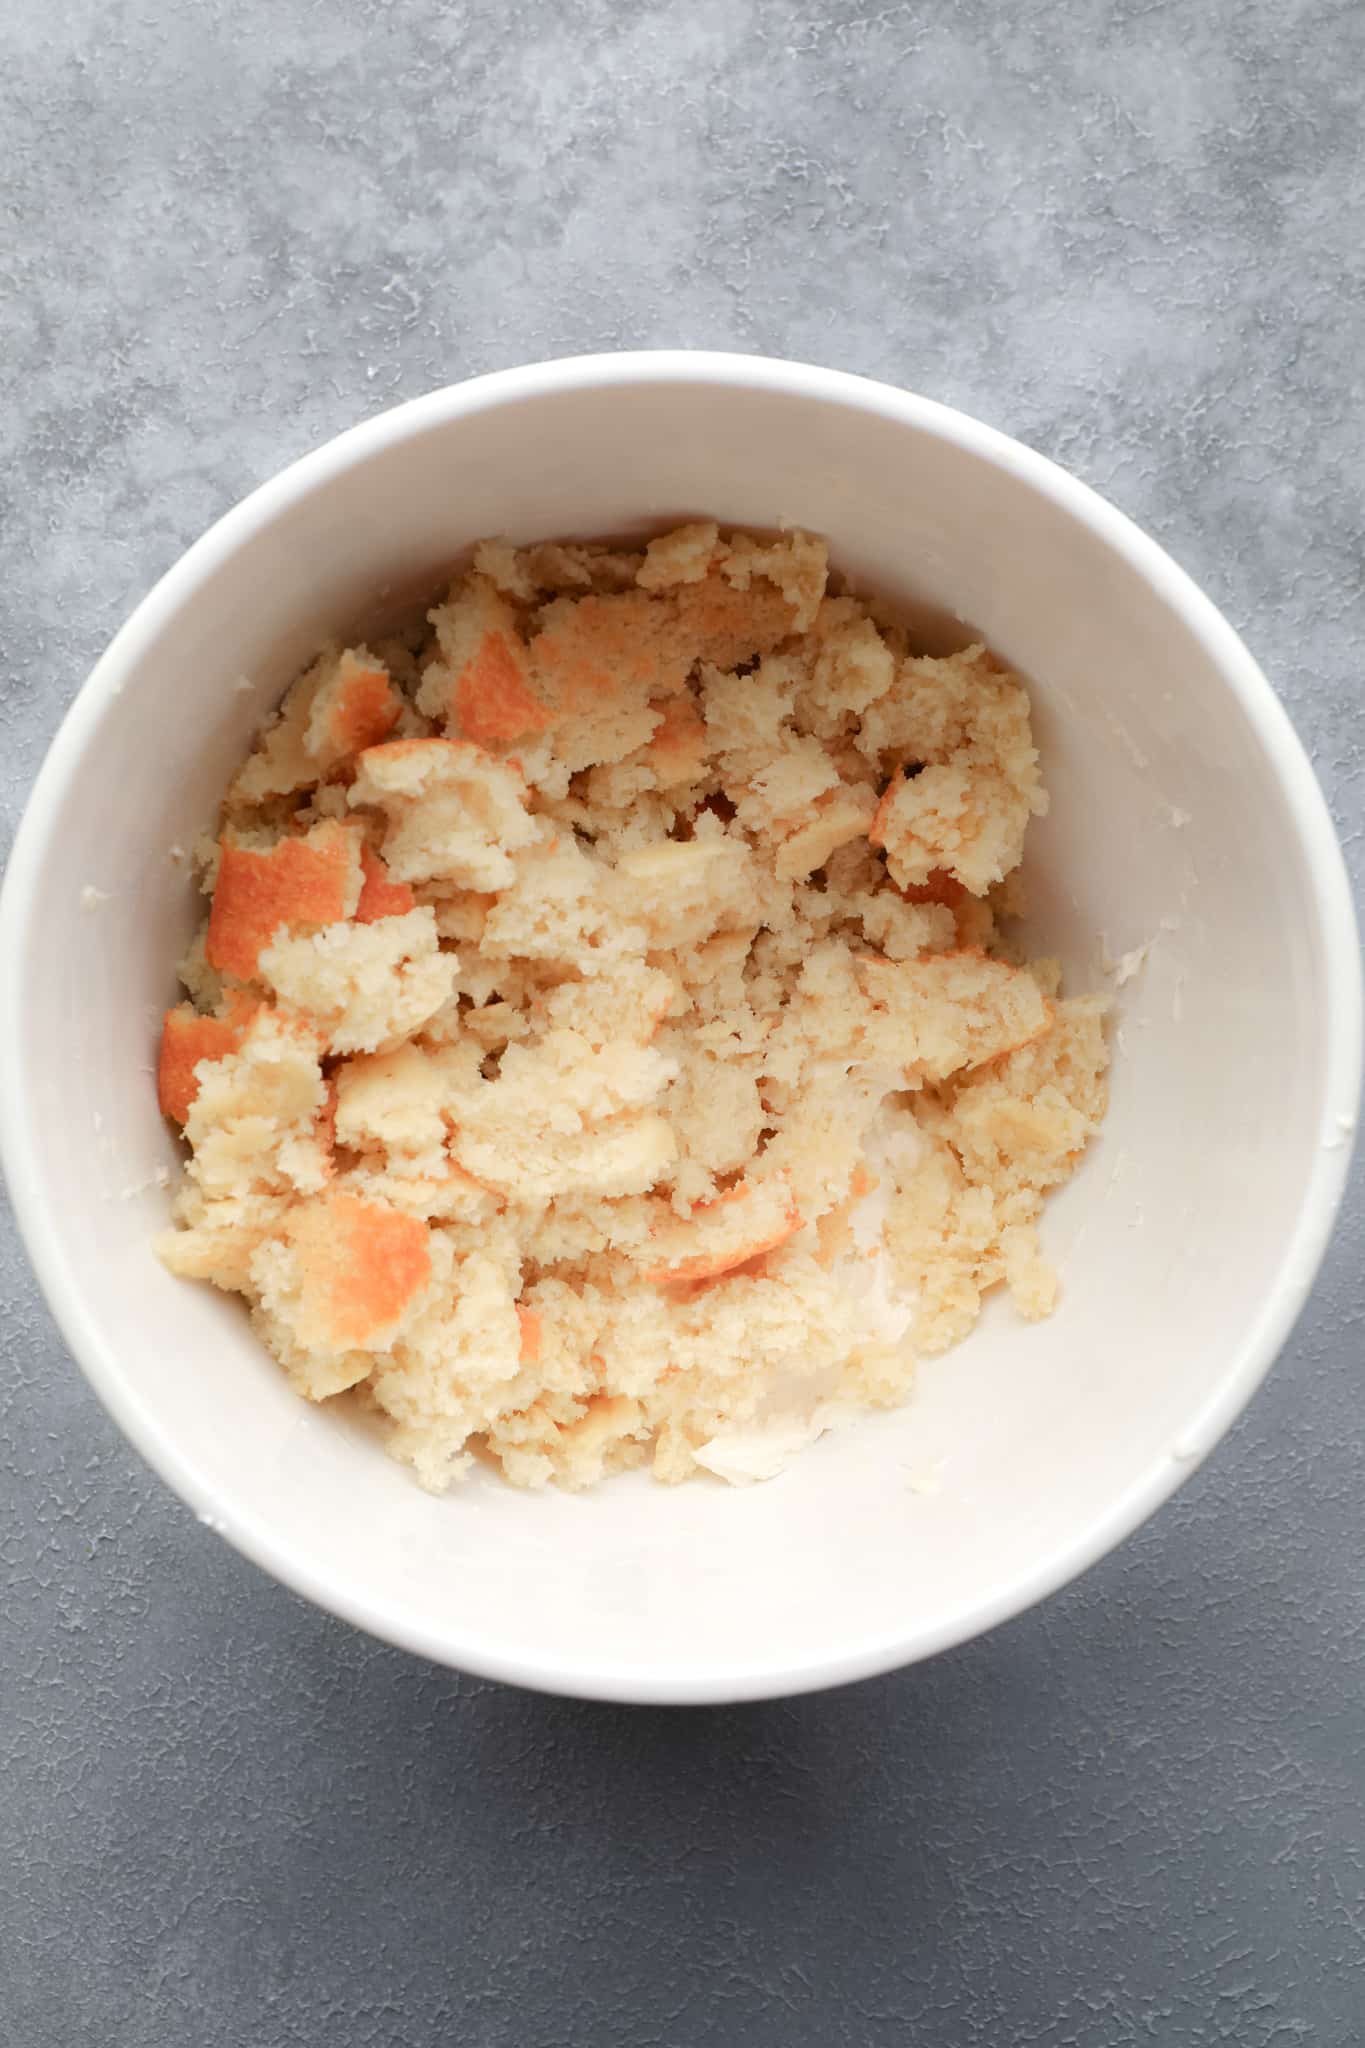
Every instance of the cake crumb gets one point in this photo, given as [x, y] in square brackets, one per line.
[927, 1479]
[1128, 965]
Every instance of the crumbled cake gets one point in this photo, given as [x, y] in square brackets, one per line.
[603, 1047]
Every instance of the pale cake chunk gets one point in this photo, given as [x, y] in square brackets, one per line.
[560, 910]
[717, 1111]
[560, 1118]
[457, 1369]
[479, 685]
[966, 778]
[683, 556]
[797, 564]
[340, 1282]
[254, 1120]
[966, 1218]
[344, 702]
[627, 1001]
[256, 1126]
[455, 813]
[392, 1102]
[732, 1230]
[366, 986]
[834, 819]
[948, 1011]
[853, 668]
[683, 891]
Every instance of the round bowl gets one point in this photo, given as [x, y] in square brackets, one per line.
[1185, 820]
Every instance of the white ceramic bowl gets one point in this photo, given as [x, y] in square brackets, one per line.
[1185, 818]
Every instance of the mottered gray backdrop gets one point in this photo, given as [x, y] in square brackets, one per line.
[1128, 231]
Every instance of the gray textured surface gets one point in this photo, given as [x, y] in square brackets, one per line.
[1127, 231]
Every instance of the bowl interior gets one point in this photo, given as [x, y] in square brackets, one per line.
[1178, 825]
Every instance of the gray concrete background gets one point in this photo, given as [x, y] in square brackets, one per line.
[1129, 232]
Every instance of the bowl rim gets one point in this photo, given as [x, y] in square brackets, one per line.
[1286, 1288]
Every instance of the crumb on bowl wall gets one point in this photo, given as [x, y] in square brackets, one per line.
[601, 1049]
